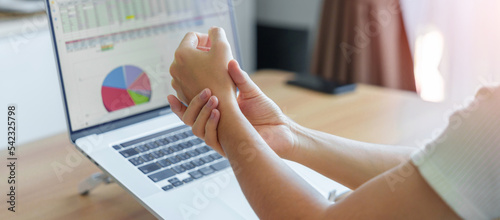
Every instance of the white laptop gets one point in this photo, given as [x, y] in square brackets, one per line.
[113, 58]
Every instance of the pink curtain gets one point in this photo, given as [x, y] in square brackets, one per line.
[363, 41]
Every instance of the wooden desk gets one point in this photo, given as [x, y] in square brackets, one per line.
[370, 114]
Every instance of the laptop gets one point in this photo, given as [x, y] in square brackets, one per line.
[113, 58]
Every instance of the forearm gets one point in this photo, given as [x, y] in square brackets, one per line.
[271, 187]
[348, 162]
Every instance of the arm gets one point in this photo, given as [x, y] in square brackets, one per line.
[348, 162]
[275, 191]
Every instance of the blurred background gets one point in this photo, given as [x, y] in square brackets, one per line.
[443, 50]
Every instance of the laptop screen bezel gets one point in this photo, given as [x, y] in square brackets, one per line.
[128, 120]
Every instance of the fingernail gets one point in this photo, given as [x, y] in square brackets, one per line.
[204, 94]
[212, 115]
[210, 103]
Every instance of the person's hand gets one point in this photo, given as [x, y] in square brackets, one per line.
[266, 117]
[260, 110]
[202, 115]
[195, 69]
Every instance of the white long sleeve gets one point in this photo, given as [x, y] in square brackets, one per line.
[463, 164]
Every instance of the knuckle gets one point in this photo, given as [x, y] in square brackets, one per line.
[179, 55]
[174, 85]
[173, 69]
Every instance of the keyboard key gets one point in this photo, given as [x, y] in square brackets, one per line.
[164, 163]
[177, 148]
[189, 144]
[197, 141]
[148, 157]
[215, 156]
[173, 180]
[188, 166]
[136, 161]
[149, 137]
[203, 149]
[178, 169]
[167, 187]
[117, 147]
[183, 156]
[193, 153]
[183, 135]
[178, 136]
[195, 174]
[129, 152]
[184, 145]
[149, 168]
[207, 159]
[192, 142]
[197, 162]
[187, 180]
[170, 139]
[142, 148]
[206, 170]
[168, 150]
[162, 175]
[173, 160]
[220, 165]
[157, 154]
[177, 184]
[199, 150]
[152, 145]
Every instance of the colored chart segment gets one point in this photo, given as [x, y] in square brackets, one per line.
[124, 87]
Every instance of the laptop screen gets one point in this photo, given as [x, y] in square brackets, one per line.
[114, 55]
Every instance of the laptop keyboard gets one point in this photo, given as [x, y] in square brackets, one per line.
[173, 157]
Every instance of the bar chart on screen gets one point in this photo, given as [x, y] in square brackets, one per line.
[102, 24]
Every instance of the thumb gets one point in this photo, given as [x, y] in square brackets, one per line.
[241, 79]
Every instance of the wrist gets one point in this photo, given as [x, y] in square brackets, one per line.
[301, 142]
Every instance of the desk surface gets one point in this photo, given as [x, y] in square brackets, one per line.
[370, 114]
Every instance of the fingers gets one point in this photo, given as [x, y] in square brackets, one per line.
[204, 42]
[189, 41]
[204, 122]
[177, 107]
[241, 79]
[211, 132]
[195, 107]
[218, 39]
[203, 116]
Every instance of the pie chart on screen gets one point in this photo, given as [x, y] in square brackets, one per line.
[124, 87]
